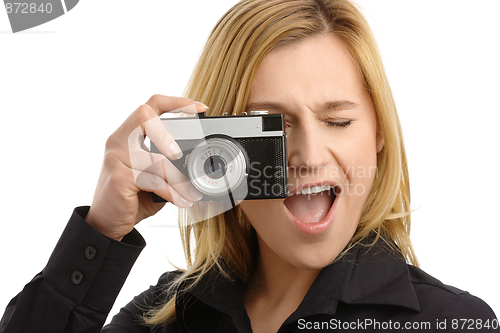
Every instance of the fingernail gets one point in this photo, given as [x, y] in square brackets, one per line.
[202, 105]
[186, 203]
[175, 150]
[195, 194]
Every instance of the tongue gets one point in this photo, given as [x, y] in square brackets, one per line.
[310, 208]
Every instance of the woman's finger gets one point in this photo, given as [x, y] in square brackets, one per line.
[157, 164]
[155, 130]
[147, 181]
[156, 105]
[161, 104]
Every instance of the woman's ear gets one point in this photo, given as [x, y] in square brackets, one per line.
[380, 139]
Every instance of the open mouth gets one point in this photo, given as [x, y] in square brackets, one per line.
[311, 205]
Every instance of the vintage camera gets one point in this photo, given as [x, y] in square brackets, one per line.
[233, 158]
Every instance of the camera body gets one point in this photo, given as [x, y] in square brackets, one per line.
[238, 157]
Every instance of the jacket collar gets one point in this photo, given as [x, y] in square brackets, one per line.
[216, 290]
[365, 275]
[379, 275]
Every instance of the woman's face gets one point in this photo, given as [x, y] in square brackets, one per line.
[332, 139]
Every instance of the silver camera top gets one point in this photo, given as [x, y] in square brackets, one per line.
[257, 124]
[257, 113]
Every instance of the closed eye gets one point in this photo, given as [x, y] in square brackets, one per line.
[339, 124]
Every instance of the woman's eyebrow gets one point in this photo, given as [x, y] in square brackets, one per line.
[264, 106]
[328, 106]
[338, 105]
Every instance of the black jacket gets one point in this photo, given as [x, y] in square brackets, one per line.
[370, 289]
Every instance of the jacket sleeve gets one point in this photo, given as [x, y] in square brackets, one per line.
[466, 313]
[77, 288]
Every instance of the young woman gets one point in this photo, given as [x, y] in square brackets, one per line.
[334, 255]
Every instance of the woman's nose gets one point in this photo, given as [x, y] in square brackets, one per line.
[307, 147]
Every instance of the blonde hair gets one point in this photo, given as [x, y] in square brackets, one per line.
[222, 79]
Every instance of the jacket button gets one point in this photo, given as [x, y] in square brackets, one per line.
[90, 252]
[76, 277]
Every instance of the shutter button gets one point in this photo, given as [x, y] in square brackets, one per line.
[90, 252]
[76, 277]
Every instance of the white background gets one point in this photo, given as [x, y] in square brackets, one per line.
[67, 85]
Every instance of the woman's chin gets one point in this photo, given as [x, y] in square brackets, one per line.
[312, 257]
[309, 265]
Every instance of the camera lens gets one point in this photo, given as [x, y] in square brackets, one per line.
[215, 167]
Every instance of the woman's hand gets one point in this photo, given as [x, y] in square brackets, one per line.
[129, 172]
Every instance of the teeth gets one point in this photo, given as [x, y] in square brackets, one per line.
[306, 190]
[314, 189]
[317, 189]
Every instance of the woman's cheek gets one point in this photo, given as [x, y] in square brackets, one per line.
[358, 161]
